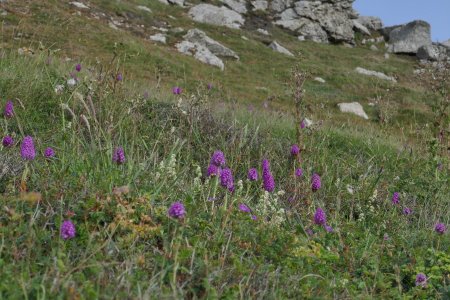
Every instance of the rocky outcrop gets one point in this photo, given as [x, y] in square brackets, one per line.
[353, 108]
[408, 38]
[221, 16]
[371, 23]
[320, 21]
[238, 6]
[434, 52]
[196, 43]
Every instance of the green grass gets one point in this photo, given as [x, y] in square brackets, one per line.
[126, 246]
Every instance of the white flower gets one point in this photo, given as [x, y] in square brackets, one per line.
[71, 82]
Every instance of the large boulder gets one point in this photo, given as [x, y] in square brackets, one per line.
[196, 43]
[434, 52]
[410, 37]
[197, 36]
[321, 21]
[221, 16]
[371, 23]
[280, 5]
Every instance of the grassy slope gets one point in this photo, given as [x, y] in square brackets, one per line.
[127, 247]
[84, 38]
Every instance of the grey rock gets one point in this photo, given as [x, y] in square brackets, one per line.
[79, 5]
[446, 44]
[361, 28]
[144, 8]
[310, 30]
[159, 37]
[434, 52]
[353, 108]
[410, 37]
[374, 74]
[263, 31]
[238, 6]
[319, 79]
[200, 53]
[199, 37]
[373, 48]
[280, 5]
[221, 16]
[371, 23]
[275, 46]
[260, 5]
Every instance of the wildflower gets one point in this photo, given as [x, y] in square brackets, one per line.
[265, 165]
[49, 152]
[218, 158]
[119, 156]
[146, 95]
[421, 280]
[78, 67]
[299, 172]
[177, 90]
[9, 109]
[119, 77]
[254, 218]
[396, 198]
[226, 179]
[8, 141]
[27, 149]
[407, 211]
[71, 82]
[295, 150]
[315, 182]
[67, 230]
[244, 208]
[386, 237]
[177, 210]
[268, 182]
[302, 124]
[328, 228]
[213, 170]
[319, 217]
[252, 174]
[210, 86]
[440, 228]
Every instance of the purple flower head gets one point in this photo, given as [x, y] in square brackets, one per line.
[386, 237]
[218, 158]
[254, 218]
[119, 77]
[119, 155]
[440, 228]
[252, 174]
[244, 208]
[295, 150]
[268, 182]
[9, 109]
[299, 172]
[49, 152]
[8, 141]
[146, 95]
[315, 182]
[177, 210]
[265, 166]
[226, 179]
[396, 198]
[67, 230]
[213, 170]
[407, 211]
[319, 217]
[210, 86]
[328, 228]
[27, 149]
[78, 67]
[421, 280]
[302, 124]
[177, 90]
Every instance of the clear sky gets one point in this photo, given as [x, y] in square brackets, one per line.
[394, 12]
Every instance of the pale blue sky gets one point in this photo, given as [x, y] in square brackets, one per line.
[394, 12]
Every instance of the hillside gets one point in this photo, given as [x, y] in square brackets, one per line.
[116, 185]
